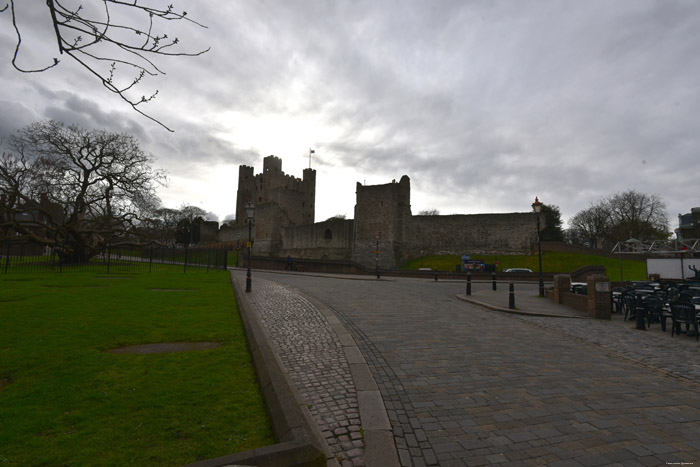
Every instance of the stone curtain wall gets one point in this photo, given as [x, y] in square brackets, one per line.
[514, 233]
[325, 240]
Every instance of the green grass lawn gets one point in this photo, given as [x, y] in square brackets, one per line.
[551, 262]
[65, 400]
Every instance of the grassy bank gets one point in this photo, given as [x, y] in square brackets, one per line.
[66, 400]
[551, 262]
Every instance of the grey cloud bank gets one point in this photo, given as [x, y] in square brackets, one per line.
[484, 104]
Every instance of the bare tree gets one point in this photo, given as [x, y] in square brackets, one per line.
[101, 43]
[630, 214]
[75, 190]
[638, 215]
[590, 226]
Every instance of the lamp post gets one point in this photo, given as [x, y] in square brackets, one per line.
[376, 236]
[537, 207]
[238, 248]
[250, 213]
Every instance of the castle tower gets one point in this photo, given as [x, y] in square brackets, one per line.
[382, 213]
[280, 201]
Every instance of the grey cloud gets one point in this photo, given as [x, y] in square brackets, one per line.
[492, 102]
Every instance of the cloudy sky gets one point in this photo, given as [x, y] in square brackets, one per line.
[484, 104]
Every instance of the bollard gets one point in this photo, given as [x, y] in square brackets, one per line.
[436, 274]
[511, 296]
[641, 313]
[494, 281]
[469, 283]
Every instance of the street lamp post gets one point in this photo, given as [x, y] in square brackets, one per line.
[250, 213]
[238, 248]
[537, 207]
[376, 236]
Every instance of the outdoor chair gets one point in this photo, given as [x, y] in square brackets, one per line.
[683, 313]
[654, 306]
[671, 293]
[629, 304]
[617, 299]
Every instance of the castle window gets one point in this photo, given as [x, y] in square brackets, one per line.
[328, 235]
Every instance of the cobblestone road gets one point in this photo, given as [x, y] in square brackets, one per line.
[316, 363]
[468, 386]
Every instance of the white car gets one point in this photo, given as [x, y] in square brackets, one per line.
[517, 270]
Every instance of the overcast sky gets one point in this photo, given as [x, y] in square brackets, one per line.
[483, 104]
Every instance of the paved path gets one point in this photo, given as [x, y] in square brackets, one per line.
[465, 385]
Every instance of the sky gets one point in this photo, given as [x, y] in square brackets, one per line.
[484, 104]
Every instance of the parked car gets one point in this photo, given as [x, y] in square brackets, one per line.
[517, 270]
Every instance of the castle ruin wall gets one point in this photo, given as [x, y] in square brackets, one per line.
[512, 233]
[331, 239]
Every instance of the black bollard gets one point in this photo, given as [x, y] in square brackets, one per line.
[469, 283]
[494, 281]
[436, 274]
[641, 313]
[511, 296]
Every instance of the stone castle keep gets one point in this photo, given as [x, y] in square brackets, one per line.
[284, 223]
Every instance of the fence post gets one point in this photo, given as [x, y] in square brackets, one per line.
[150, 259]
[493, 276]
[7, 258]
[185, 267]
[225, 259]
[109, 256]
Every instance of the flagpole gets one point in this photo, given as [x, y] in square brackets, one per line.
[311, 151]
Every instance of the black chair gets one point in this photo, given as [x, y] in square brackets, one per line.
[616, 301]
[671, 293]
[654, 306]
[683, 313]
[629, 304]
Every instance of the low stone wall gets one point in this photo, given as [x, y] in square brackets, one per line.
[596, 304]
[309, 265]
[576, 301]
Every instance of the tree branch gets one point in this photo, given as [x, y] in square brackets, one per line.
[72, 27]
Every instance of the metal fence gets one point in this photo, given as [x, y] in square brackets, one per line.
[31, 257]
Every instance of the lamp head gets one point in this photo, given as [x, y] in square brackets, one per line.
[249, 210]
[537, 206]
